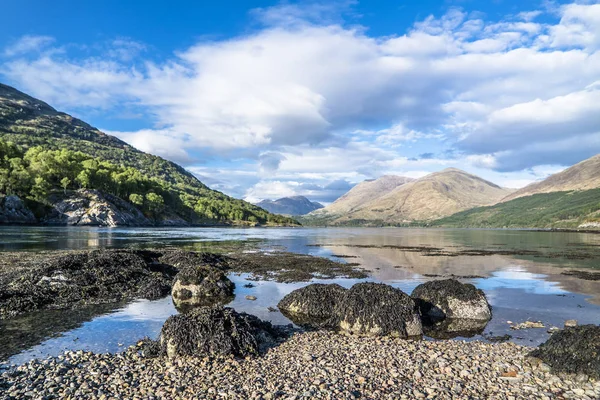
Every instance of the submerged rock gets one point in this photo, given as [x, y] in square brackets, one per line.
[212, 331]
[376, 309]
[574, 350]
[449, 298]
[201, 286]
[450, 328]
[312, 306]
[183, 258]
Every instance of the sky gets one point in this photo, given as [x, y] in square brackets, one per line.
[267, 99]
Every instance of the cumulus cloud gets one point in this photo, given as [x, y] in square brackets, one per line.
[307, 99]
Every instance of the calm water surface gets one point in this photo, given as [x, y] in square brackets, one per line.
[519, 287]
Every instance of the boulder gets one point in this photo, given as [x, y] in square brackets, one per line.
[375, 309]
[574, 350]
[312, 306]
[449, 298]
[215, 331]
[14, 211]
[201, 286]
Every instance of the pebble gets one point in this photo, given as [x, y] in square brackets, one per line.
[320, 365]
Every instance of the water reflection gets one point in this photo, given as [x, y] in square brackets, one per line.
[519, 287]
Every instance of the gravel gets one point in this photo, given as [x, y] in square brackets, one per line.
[309, 365]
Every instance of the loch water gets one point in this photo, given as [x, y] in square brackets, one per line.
[521, 272]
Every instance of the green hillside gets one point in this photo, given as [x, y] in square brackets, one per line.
[43, 151]
[545, 210]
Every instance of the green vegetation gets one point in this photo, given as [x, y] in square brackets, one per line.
[43, 151]
[35, 173]
[546, 210]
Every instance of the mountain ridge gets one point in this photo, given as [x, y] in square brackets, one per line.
[86, 158]
[431, 197]
[292, 205]
[584, 175]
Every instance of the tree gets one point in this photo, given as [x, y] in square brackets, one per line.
[83, 179]
[64, 183]
[40, 189]
[136, 199]
[155, 203]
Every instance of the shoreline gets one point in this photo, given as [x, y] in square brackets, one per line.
[310, 364]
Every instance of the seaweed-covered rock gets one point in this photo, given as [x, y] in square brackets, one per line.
[183, 258]
[213, 331]
[312, 306]
[574, 350]
[376, 309]
[94, 277]
[201, 286]
[449, 298]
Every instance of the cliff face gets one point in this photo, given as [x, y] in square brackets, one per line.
[92, 208]
[14, 211]
[83, 208]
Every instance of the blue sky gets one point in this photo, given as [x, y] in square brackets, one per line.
[266, 99]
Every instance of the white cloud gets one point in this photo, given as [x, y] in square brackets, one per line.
[307, 99]
[26, 44]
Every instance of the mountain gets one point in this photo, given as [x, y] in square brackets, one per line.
[295, 205]
[363, 193]
[48, 157]
[582, 176]
[433, 196]
[574, 209]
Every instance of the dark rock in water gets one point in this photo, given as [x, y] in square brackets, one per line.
[449, 298]
[201, 286]
[95, 277]
[183, 258]
[376, 309]
[574, 350]
[312, 306]
[14, 211]
[212, 331]
[452, 328]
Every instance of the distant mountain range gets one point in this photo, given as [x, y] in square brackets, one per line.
[295, 205]
[454, 198]
[399, 200]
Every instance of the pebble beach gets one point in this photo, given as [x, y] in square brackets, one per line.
[321, 365]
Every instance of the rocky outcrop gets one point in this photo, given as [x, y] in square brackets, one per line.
[91, 207]
[375, 309]
[449, 298]
[14, 211]
[312, 306]
[94, 277]
[574, 350]
[201, 285]
[215, 331]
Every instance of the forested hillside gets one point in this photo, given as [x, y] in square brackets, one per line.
[44, 151]
[546, 210]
